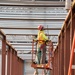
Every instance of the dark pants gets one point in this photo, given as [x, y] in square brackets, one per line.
[43, 54]
[38, 56]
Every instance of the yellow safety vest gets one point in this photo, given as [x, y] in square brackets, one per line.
[41, 37]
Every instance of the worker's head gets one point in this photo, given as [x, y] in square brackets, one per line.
[40, 27]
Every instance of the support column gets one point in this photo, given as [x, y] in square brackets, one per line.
[62, 57]
[66, 49]
[11, 62]
[3, 55]
[8, 61]
[61, 54]
[56, 70]
[16, 63]
[72, 29]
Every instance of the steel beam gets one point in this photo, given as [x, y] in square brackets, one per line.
[29, 28]
[36, 3]
[28, 34]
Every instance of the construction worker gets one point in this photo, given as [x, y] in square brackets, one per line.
[41, 46]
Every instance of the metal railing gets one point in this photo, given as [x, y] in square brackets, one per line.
[71, 56]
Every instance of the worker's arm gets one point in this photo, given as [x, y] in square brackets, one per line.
[45, 37]
[35, 38]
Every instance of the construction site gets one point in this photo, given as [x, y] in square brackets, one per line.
[37, 37]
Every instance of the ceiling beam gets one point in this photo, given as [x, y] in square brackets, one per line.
[34, 3]
[25, 41]
[29, 28]
[50, 19]
[29, 34]
[23, 45]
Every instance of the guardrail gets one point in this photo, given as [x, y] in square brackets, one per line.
[11, 63]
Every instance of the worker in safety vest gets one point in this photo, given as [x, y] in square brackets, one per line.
[41, 46]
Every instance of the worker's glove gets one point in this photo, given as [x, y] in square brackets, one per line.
[47, 40]
[35, 40]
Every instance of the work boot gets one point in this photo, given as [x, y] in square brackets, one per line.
[34, 62]
[46, 61]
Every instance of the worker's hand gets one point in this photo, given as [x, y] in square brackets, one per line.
[47, 40]
[35, 40]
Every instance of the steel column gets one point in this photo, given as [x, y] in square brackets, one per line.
[62, 53]
[14, 66]
[11, 61]
[15, 62]
[66, 49]
[55, 64]
[59, 56]
[18, 66]
[8, 61]
[3, 55]
[72, 28]
[22, 71]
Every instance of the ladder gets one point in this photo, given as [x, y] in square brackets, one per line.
[72, 57]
